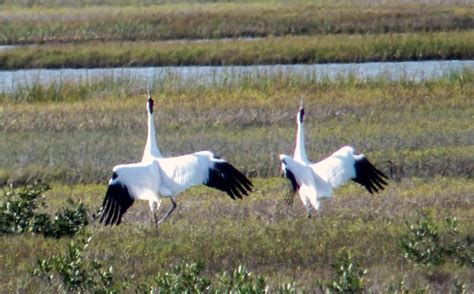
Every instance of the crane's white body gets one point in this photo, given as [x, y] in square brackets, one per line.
[142, 179]
[316, 181]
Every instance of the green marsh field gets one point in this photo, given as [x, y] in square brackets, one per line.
[70, 135]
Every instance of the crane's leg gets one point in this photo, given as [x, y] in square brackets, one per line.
[154, 206]
[173, 207]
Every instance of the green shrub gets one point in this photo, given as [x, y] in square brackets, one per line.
[349, 275]
[184, 278]
[429, 244]
[458, 287]
[18, 213]
[71, 271]
[187, 278]
[288, 288]
[66, 223]
[240, 281]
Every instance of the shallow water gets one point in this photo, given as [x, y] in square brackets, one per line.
[412, 71]
[7, 47]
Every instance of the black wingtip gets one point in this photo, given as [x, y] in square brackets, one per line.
[369, 176]
[227, 178]
[289, 197]
[116, 202]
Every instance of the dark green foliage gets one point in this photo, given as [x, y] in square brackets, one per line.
[349, 276]
[188, 278]
[288, 288]
[71, 271]
[430, 244]
[458, 287]
[18, 213]
[65, 223]
[240, 281]
[183, 278]
[17, 210]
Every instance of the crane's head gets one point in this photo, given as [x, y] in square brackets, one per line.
[300, 115]
[150, 102]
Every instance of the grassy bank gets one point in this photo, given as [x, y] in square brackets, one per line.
[424, 128]
[263, 233]
[281, 50]
[223, 20]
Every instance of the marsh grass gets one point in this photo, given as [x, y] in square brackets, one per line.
[264, 234]
[273, 50]
[74, 133]
[222, 20]
[323, 3]
[408, 129]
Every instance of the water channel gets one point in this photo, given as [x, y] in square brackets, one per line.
[412, 70]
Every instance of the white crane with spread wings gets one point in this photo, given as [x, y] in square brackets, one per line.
[158, 177]
[316, 181]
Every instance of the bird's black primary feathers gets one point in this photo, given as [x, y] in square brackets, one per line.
[117, 200]
[225, 177]
[368, 176]
[294, 187]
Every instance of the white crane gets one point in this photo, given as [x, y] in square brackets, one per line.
[316, 181]
[151, 151]
[157, 177]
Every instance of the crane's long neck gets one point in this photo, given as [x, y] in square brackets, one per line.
[300, 152]
[151, 148]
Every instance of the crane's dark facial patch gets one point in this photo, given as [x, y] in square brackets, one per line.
[150, 104]
[114, 175]
[301, 116]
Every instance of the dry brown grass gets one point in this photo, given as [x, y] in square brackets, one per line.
[224, 20]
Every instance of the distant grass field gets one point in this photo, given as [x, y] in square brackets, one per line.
[38, 24]
[273, 50]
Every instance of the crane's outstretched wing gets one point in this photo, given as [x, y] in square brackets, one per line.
[369, 176]
[182, 172]
[343, 165]
[290, 195]
[128, 182]
[116, 202]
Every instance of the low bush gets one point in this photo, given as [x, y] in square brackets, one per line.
[73, 272]
[18, 213]
[349, 276]
[183, 278]
[430, 244]
[240, 281]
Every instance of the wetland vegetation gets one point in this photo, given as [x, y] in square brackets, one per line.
[71, 134]
[418, 133]
[232, 33]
